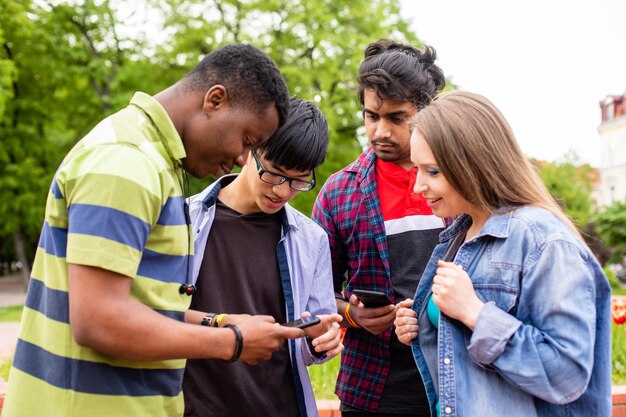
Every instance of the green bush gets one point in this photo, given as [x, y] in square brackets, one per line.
[323, 378]
[614, 282]
[11, 314]
[618, 342]
[5, 367]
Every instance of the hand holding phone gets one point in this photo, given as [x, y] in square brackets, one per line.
[303, 323]
[372, 298]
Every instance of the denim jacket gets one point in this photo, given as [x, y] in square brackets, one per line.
[305, 270]
[542, 343]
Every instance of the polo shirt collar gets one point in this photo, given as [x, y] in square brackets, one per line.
[167, 131]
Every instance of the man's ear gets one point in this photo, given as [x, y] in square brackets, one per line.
[215, 98]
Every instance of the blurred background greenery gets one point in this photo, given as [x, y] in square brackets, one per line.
[64, 65]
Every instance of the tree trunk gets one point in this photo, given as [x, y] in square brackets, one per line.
[21, 257]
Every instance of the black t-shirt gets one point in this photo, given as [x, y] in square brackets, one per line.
[239, 274]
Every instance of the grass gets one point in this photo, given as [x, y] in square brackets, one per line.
[618, 342]
[619, 291]
[5, 367]
[8, 314]
[323, 378]
[11, 314]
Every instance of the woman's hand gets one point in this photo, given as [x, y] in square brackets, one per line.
[453, 293]
[406, 322]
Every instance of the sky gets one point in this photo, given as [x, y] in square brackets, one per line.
[546, 64]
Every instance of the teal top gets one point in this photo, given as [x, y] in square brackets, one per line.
[433, 312]
[433, 315]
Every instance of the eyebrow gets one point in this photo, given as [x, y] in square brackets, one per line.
[391, 114]
[279, 170]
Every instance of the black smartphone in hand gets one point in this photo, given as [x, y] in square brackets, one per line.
[303, 323]
[372, 298]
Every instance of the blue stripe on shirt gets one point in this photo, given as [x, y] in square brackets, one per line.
[162, 267]
[51, 303]
[93, 377]
[54, 303]
[109, 223]
[55, 190]
[172, 212]
[53, 240]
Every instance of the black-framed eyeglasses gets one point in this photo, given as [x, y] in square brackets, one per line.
[277, 179]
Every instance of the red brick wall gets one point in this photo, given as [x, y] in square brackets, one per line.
[619, 401]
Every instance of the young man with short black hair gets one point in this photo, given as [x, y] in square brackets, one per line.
[255, 254]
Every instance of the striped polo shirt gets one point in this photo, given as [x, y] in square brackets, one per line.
[115, 203]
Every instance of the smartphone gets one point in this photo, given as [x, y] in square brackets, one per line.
[372, 298]
[303, 323]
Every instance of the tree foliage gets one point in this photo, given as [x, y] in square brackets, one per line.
[60, 72]
[610, 223]
[64, 65]
[318, 46]
[571, 184]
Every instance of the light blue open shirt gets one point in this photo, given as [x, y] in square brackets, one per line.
[542, 342]
[305, 267]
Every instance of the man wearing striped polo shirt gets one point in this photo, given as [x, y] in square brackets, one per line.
[103, 330]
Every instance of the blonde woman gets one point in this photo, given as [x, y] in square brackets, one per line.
[511, 317]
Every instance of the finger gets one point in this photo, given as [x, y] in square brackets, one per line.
[406, 321]
[407, 328]
[450, 265]
[288, 332]
[444, 263]
[331, 334]
[336, 351]
[305, 314]
[354, 300]
[405, 312]
[407, 338]
[332, 318]
[268, 319]
[438, 301]
[335, 318]
[405, 303]
[329, 345]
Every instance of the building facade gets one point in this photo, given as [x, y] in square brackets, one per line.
[612, 132]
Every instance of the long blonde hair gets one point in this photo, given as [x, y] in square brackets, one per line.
[476, 151]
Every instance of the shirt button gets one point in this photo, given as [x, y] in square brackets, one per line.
[448, 410]
[446, 361]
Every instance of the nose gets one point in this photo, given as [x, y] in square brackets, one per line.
[282, 190]
[419, 186]
[382, 129]
[243, 157]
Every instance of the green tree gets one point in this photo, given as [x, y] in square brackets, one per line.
[61, 70]
[570, 182]
[64, 65]
[318, 46]
[610, 223]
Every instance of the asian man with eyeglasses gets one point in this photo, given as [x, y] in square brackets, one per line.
[257, 255]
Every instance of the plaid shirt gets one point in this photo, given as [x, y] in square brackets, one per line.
[349, 210]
